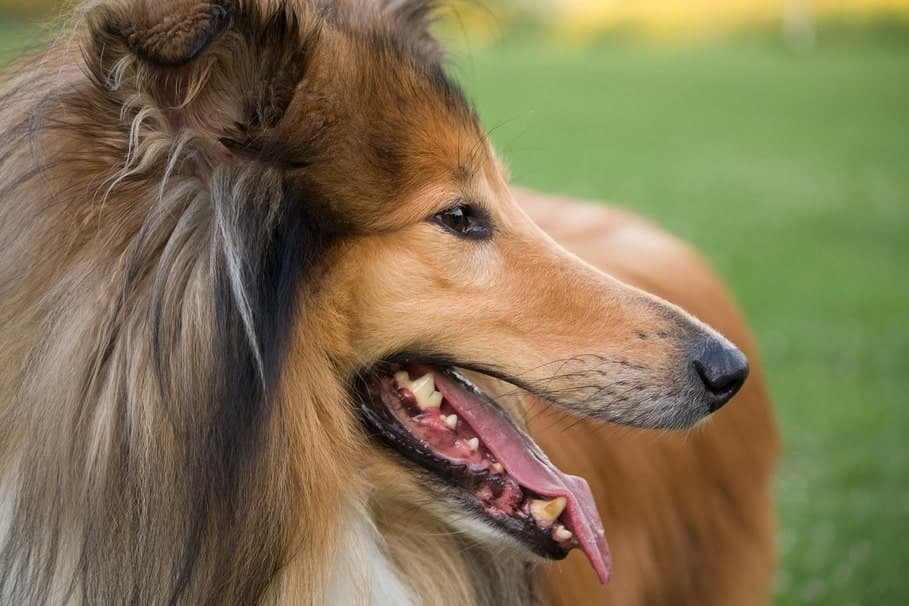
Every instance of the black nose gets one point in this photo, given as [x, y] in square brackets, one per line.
[722, 368]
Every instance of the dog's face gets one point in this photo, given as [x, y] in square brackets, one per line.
[459, 277]
[463, 277]
[426, 265]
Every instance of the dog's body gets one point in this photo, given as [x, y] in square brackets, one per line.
[247, 245]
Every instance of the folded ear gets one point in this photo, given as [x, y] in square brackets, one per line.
[165, 32]
[225, 70]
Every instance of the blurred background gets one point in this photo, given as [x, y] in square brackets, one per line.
[775, 136]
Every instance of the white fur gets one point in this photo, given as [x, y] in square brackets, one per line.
[60, 591]
[363, 573]
[7, 501]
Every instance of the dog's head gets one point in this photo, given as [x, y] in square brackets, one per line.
[364, 215]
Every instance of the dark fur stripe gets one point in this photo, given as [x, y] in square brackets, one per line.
[276, 249]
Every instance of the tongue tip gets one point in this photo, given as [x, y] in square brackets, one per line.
[587, 520]
[602, 564]
[600, 558]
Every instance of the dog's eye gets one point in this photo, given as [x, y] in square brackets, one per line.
[465, 221]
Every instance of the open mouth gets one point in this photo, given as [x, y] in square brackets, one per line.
[438, 420]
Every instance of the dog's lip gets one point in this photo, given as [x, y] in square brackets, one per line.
[525, 461]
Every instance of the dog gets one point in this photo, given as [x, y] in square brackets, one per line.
[275, 330]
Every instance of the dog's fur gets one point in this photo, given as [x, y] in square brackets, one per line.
[212, 218]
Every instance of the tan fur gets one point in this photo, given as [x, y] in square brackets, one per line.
[205, 241]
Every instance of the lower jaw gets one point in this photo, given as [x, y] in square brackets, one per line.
[467, 470]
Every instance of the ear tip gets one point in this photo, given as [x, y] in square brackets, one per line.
[168, 37]
[219, 21]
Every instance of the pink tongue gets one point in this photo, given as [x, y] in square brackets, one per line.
[527, 464]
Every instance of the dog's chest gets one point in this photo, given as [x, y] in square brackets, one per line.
[363, 574]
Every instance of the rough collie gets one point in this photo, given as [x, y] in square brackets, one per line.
[274, 328]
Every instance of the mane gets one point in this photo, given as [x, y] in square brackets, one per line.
[146, 314]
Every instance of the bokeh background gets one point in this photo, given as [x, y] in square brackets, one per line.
[775, 136]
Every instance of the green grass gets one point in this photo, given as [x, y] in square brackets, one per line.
[791, 172]
[16, 35]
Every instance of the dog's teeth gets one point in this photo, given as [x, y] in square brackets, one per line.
[498, 467]
[547, 511]
[423, 387]
[451, 421]
[424, 390]
[474, 444]
[433, 401]
[562, 534]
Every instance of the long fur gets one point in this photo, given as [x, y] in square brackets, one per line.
[147, 308]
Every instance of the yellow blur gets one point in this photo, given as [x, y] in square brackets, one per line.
[693, 18]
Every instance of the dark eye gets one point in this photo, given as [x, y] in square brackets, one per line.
[465, 221]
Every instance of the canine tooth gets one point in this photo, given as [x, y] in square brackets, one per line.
[547, 511]
[423, 387]
[402, 378]
[498, 467]
[474, 444]
[562, 534]
[451, 421]
[433, 401]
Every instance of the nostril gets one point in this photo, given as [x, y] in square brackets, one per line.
[723, 370]
[719, 384]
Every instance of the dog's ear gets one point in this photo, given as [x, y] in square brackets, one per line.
[226, 70]
[415, 18]
[163, 32]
